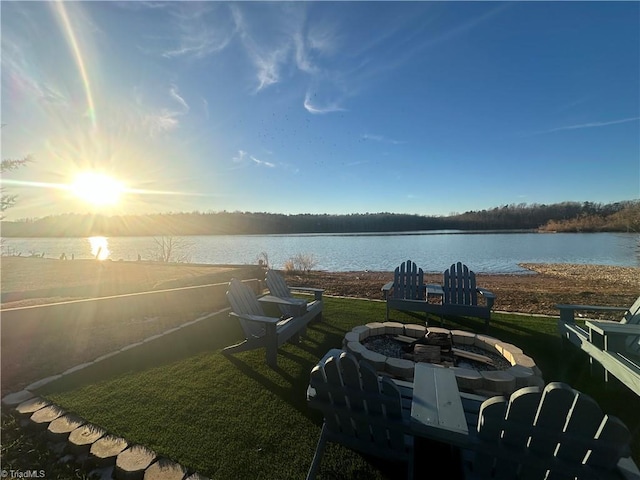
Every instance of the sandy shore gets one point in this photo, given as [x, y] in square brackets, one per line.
[33, 281]
[537, 292]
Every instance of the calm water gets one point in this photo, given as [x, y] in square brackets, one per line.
[434, 252]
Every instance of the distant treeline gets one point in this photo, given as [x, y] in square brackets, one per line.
[566, 216]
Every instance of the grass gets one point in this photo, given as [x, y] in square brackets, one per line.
[227, 417]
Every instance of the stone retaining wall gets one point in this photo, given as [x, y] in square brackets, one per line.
[522, 373]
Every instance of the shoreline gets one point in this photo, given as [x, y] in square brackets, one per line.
[535, 293]
[31, 281]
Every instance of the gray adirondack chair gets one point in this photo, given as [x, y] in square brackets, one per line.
[615, 346]
[461, 294]
[261, 330]
[407, 291]
[547, 433]
[551, 433]
[278, 287]
[362, 411]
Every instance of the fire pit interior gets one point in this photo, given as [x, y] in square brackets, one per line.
[482, 364]
[438, 348]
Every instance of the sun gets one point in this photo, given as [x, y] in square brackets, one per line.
[97, 189]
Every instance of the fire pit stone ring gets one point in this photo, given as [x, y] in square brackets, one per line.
[522, 372]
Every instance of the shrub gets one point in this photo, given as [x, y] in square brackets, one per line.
[301, 262]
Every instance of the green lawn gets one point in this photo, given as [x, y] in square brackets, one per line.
[233, 417]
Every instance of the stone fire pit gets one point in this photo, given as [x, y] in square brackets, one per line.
[520, 371]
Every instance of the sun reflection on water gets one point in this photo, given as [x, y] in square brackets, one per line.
[99, 248]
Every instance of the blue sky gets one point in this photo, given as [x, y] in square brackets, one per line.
[321, 107]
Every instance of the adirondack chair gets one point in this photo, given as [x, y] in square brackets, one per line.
[460, 294]
[261, 330]
[555, 432]
[407, 291]
[362, 411]
[615, 346]
[278, 287]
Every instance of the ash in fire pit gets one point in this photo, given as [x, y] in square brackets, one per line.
[438, 348]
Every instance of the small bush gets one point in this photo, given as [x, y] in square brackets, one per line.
[301, 262]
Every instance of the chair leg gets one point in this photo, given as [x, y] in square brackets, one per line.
[317, 456]
[410, 468]
[271, 345]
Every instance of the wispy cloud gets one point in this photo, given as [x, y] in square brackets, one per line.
[175, 94]
[593, 124]
[26, 78]
[161, 122]
[261, 162]
[205, 107]
[267, 58]
[158, 120]
[317, 108]
[244, 157]
[586, 125]
[198, 36]
[381, 139]
[356, 163]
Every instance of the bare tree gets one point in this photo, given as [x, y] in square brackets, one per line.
[172, 249]
[7, 201]
[301, 262]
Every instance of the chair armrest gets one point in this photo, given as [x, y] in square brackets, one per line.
[612, 336]
[317, 292]
[567, 312]
[288, 301]
[486, 293]
[299, 305]
[386, 289]
[255, 318]
[490, 296]
[613, 328]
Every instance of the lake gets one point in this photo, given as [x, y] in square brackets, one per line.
[433, 251]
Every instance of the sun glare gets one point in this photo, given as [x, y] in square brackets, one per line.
[99, 247]
[97, 189]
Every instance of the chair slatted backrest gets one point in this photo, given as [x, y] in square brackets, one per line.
[277, 285]
[244, 301]
[408, 282]
[632, 316]
[563, 429]
[459, 285]
[359, 405]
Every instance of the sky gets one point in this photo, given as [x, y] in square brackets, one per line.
[426, 108]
